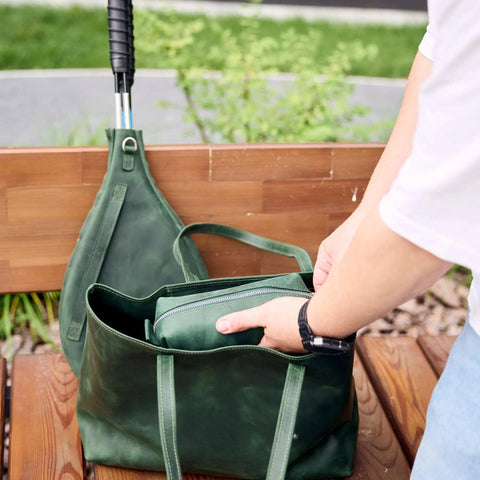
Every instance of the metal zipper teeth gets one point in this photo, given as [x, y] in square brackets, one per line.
[230, 297]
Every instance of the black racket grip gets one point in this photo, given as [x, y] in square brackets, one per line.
[131, 51]
[119, 34]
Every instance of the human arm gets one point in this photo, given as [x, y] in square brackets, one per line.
[379, 270]
[363, 279]
[332, 249]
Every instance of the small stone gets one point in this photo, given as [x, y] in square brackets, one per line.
[45, 348]
[54, 332]
[411, 306]
[462, 292]
[433, 323]
[455, 316]
[415, 331]
[444, 289]
[453, 330]
[402, 321]
[28, 344]
[10, 348]
[381, 326]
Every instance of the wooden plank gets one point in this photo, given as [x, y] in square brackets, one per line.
[355, 161]
[44, 437]
[61, 204]
[34, 169]
[404, 381]
[226, 257]
[94, 166]
[224, 198]
[323, 196]
[102, 472]
[270, 162]
[305, 229]
[379, 454]
[436, 348]
[50, 190]
[190, 165]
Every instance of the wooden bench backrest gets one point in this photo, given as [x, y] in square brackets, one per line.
[296, 193]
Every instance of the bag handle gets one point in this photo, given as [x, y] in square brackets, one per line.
[301, 256]
[284, 430]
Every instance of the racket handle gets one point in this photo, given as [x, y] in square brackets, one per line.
[119, 35]
[131, 51]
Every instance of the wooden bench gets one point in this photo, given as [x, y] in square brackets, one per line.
[292, 193]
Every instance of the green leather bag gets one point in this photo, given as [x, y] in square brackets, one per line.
[237, 410]
[125, 242]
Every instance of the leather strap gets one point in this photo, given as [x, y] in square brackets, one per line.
[284, 431]
[167, 416]
[301, 256]
[286, 420]
[95, 263]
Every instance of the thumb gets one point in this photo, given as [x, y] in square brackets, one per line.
[239, 321]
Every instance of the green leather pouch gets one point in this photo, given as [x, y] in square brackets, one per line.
[188, 322]
[238, 410]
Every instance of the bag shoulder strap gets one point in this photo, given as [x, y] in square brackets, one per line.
[301, 256]
[97, 257]
[167, 416]
[286, 419]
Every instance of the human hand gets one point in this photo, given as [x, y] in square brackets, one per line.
[278, 318]
[333, 248]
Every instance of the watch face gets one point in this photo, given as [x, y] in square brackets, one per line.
[331, 343]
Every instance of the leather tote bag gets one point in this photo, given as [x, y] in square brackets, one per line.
[125, 242]
[158, 393]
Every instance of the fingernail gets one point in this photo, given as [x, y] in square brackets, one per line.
[223, 326]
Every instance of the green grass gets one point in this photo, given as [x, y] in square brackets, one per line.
[43, 37]
[75, 37]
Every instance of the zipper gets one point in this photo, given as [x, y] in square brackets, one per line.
[230, 297]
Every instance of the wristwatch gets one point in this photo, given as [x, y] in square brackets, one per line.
[314, 343]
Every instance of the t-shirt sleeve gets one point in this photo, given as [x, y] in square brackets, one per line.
[435, 200]
[427, 45]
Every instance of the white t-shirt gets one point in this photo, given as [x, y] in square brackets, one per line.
[434, 202]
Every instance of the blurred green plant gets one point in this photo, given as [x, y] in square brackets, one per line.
[81, 133]
[240, 102]
[33, 311]
[462, 274]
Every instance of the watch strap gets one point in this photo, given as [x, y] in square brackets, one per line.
[304, 327]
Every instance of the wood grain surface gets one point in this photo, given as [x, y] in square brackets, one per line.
[103, 472]
[404, 381]
[44, 438]
[437, 349]
[379, 454]
[295, 193]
